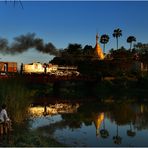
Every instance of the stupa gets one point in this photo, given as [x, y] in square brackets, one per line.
[98, 49]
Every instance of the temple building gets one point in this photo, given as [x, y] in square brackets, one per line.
[98, 49]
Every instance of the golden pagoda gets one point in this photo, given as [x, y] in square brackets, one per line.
[98, 49]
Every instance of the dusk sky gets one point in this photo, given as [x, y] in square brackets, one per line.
[67, 22]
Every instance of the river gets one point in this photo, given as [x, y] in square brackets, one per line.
[92, 124]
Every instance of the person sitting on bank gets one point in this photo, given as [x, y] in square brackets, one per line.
[4, 117]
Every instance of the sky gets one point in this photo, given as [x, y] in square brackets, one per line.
[64, 22]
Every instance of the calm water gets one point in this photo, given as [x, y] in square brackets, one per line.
[94, 124]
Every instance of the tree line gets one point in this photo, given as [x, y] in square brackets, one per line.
[74, 52]
[117, 62]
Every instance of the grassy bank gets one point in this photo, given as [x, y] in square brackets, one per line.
[15, 94]
[23, 137]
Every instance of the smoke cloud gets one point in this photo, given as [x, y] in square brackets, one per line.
[23, 43]
[3, 45]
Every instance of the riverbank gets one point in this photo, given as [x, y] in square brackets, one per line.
[119, 89]
[19, 95]
[28, 139]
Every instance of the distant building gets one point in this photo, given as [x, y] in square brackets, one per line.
[139, 66]
[144, 67]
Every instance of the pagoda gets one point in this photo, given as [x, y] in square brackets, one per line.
[98, 49]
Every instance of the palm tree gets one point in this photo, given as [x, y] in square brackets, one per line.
[130, 132]
[104, 40]
[131, 39]
[117, 33]
[117, 139]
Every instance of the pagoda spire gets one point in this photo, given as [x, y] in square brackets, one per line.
[97, 37]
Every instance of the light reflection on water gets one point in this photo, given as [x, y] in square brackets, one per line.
[127, 122]
[86, 136]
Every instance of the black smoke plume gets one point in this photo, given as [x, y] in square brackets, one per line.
[23, 43]
[3, 45]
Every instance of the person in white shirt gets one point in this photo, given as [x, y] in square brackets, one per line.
[4, 117]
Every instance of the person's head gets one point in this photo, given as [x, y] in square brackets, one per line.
[4, 106]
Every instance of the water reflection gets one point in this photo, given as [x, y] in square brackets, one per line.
[95, 124]
[117, 139]
[51, 109]
[104, 132]
[131, 131]
[98, 118]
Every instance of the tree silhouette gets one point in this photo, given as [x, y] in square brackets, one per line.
[130, 40]
[88, 50]
[104, 40]
[117, 33]
[74, 49]
[142, 51]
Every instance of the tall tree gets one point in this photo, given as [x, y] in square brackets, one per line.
[142, 51]
[117, 33]
[74, 49]
[130, 40]
[104, 40]
[117, 139]
[87, 50]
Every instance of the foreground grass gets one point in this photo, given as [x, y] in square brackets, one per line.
[15, 94]
[28, 139]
